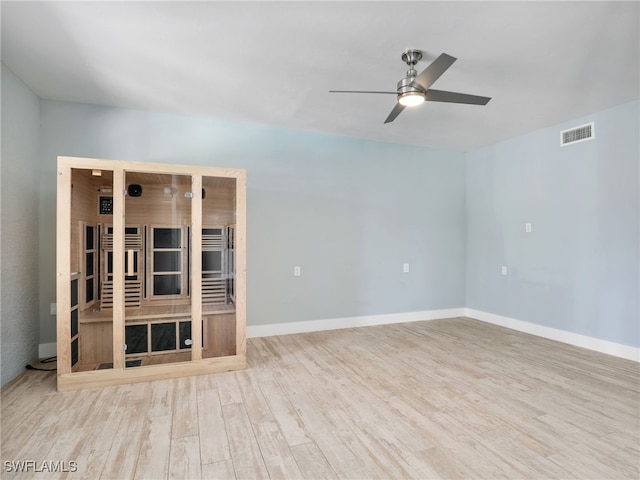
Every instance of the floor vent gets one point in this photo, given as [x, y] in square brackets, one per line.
[577, 134]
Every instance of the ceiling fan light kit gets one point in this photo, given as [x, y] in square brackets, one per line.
[411, 99]
[414, 88]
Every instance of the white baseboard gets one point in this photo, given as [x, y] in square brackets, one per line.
[591, 343]
[350, 322]
[46, 350]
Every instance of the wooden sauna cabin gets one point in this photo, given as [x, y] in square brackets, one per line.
[150, 263]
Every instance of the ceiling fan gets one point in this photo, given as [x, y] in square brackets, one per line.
[414, 89]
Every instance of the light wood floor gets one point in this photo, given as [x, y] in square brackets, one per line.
[442, 399]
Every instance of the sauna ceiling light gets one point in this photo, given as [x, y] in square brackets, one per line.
[96, 173]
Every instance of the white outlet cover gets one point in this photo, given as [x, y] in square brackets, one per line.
[504, 270]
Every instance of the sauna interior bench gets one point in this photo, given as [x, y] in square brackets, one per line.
[153, 312]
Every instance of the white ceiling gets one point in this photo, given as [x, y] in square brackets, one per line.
[273, 62]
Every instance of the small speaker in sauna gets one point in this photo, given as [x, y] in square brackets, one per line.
[134, 190]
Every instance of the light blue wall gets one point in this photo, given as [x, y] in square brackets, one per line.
[19, 175]
[578, 270]
[349, 212]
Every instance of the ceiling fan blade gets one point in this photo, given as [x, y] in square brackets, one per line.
[358, 91]
[394, 113]
[453, 97]
[430, 74]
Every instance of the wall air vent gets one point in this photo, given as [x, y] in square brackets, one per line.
[577, 134]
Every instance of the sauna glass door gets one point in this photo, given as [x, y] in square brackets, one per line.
[218, 266]
[91, 320]
[157, 255]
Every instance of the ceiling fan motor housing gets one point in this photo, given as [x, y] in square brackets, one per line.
[404, 85]
[410, 95]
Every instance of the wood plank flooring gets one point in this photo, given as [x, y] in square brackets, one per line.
[453, 398]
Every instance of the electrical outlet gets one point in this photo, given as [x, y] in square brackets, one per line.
[527, 227]
[504, 270]
[296, 271]
[405, 268]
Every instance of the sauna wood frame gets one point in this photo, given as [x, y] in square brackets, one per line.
[69, 380]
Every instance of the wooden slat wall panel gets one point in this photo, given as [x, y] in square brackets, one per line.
[132, 294]
[214, 290]
[132, 241]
